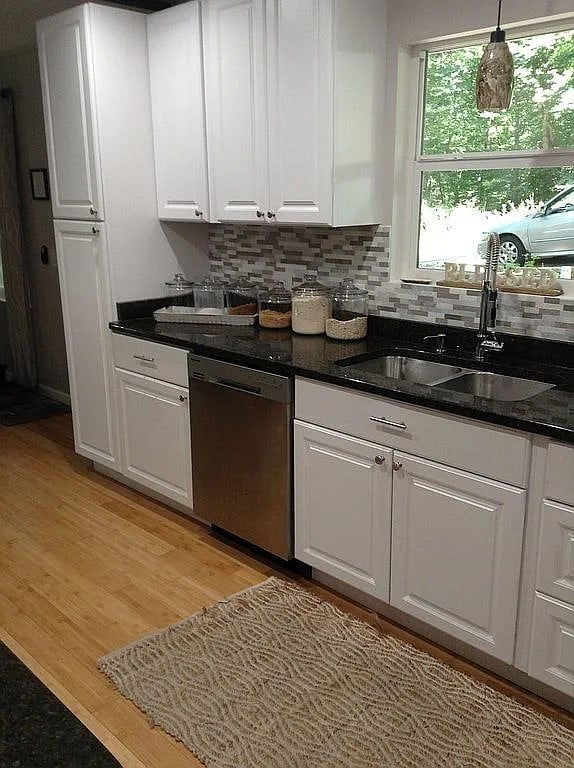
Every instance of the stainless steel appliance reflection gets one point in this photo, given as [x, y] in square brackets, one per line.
[242, 452]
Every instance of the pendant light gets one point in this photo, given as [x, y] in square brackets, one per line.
[495, 76]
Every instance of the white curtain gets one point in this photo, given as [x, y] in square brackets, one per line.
[12, 252]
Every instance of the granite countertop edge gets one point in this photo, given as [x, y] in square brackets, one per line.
[550, 414]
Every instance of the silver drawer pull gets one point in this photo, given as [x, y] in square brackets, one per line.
[145, 359]
[388, 422]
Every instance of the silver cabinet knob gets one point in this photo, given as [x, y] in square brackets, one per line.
[182, 398]
[198, 212]
[270, 215]
[260, 214]
[95, 231]
[397, 465]
[379, 459]
[93, 212]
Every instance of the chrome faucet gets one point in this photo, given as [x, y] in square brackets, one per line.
[486, 338]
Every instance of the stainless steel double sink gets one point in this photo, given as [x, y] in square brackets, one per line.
[492, 386]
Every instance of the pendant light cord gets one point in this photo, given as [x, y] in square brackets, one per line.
[499, 7]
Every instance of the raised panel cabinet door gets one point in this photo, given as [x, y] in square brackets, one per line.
[551, 657]
[236, 98]
[155, 435]
[300, 87]
[556, 551]
[178, 112]
[65, 70]
[456, 552]
[343, 507]
[87, 311]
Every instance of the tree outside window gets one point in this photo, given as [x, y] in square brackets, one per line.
[478, 173]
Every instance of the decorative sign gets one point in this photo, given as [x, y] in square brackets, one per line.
[537, 280]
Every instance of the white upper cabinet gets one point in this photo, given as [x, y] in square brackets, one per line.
[64, 48]
[235, 76]
[294, 93]
[178, 112]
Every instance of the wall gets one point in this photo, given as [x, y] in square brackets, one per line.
[19, 71]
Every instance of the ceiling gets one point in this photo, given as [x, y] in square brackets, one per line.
[18, 17]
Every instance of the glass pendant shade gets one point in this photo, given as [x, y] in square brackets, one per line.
[495, 75]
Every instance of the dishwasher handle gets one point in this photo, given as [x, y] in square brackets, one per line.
[240, 378]
[229, 384]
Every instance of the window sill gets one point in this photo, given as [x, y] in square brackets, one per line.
[566, 285]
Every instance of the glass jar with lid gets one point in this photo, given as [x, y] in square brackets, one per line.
[241, 297]
[179, 289]
[275, 306]
[349, 312]
[310, 307]
[208, 295]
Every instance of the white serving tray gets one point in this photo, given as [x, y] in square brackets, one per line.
[193, 315]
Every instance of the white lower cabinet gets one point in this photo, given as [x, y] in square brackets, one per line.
[87, 310]
[155, 435]
[552, 643]
[343, 507]
[456, 552]
[152, 398]
[441, 543]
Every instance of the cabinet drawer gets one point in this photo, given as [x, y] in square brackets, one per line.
[150, 359]
[555, 574]
[552, 644]
[559, 473]
[458, 442]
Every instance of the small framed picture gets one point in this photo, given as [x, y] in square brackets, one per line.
[39, 184]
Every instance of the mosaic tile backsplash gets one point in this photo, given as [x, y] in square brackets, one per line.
[265, 254]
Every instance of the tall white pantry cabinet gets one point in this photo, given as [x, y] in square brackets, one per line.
[110, 246]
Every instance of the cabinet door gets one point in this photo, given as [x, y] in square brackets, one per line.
[343, 507]
[552, 645]
[300, 88]
[87, 310]
[155, 435]
[555, 574]
[178, 112]
[65, 71]
[456, 552]
[235, 64]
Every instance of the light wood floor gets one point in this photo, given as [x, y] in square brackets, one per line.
[87, 565]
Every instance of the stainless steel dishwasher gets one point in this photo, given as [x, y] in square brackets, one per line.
[241, 451]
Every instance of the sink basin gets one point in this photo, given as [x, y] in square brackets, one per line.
[494, 386]
[408, 369]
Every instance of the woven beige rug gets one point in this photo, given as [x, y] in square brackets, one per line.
[274, 677]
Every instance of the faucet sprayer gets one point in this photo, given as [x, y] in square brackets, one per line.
[486, 337]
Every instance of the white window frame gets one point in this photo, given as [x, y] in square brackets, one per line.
[410, 163]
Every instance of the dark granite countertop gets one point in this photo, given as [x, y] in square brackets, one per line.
[281, 351]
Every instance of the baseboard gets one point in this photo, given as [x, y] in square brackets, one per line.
[54, 394]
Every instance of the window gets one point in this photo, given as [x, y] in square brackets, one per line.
[512, 173]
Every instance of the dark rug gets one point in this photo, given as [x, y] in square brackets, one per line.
[37, 730]
[18, 406]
